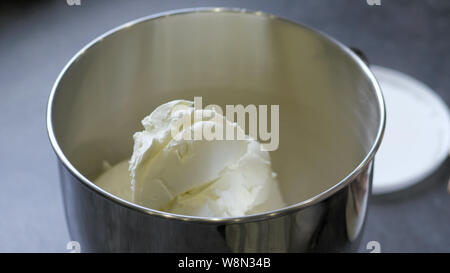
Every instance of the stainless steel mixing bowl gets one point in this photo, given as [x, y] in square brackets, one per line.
[331, 123]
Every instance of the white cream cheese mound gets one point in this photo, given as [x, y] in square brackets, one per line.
[177, 174]
[116, 180]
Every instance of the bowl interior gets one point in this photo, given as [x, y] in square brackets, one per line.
[329, 111]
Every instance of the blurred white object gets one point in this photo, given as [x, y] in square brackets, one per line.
[417, 136]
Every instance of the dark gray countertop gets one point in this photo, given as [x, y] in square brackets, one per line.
[37, 38]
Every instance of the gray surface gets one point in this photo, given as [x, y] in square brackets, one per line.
[37, 39]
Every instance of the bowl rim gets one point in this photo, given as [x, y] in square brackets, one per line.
[219, 220]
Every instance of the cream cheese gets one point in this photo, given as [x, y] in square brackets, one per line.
[172, 172]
